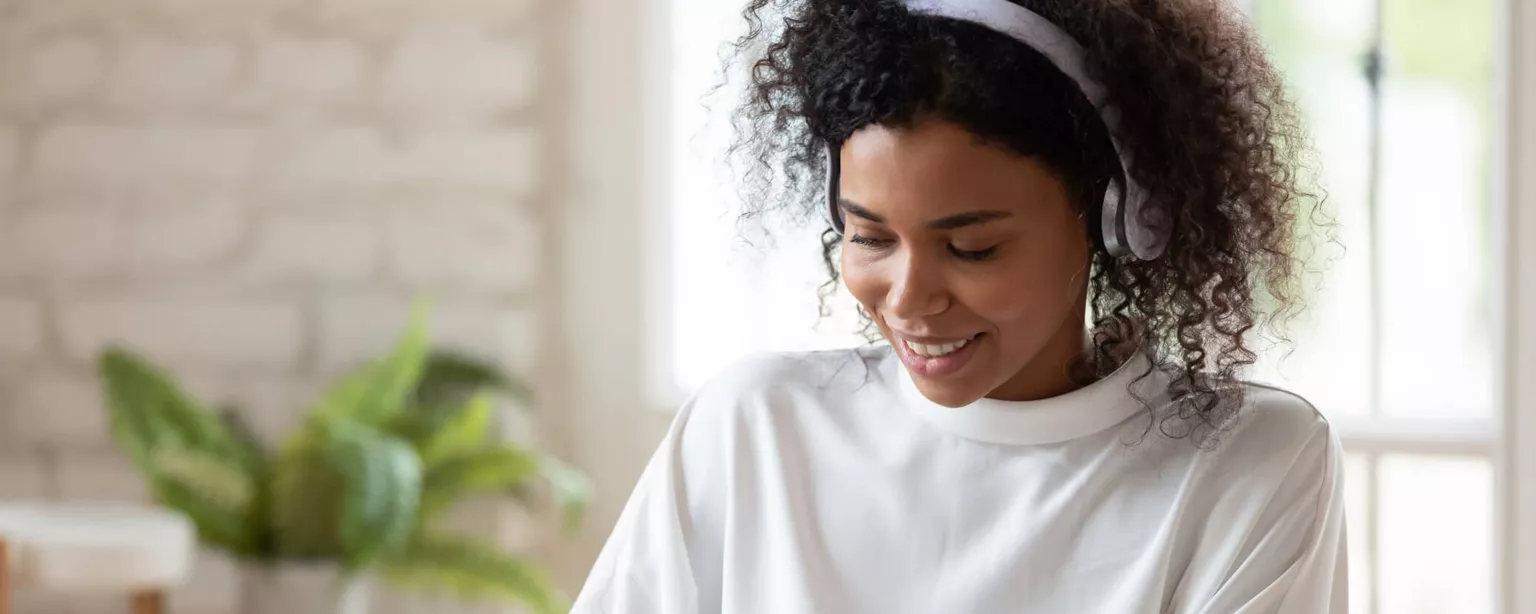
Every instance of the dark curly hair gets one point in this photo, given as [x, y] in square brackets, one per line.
[1201, 111]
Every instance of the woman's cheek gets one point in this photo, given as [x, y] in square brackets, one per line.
[995, 298]
[859, 278]
[1014, 290]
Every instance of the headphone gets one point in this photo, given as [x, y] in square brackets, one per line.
[1124, 226]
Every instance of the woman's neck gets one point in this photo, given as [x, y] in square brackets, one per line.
[1055, 369]
[1074, 358]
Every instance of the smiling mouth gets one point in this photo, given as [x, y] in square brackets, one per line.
[929, 350]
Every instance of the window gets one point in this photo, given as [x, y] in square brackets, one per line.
[775, 290]
[1401, 348]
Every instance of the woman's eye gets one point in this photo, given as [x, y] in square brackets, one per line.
[973, 255]
[866, 241]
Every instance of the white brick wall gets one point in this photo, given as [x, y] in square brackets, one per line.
[202, 234]
[61, 70]
[97, 476]
[365, 156]
[489, 72]
[23, 476]
[64, 243]
[262, 335]
[59, 409]
[319, 247]
[479, 245]
[123, 155]
[9, 154]
[21, 327]
[393, 12]
[300, 69]
[169, 72]
[251, 192]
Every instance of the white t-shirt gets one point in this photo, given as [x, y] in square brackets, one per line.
[826, 483]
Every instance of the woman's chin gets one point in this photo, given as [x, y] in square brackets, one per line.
[948, 393]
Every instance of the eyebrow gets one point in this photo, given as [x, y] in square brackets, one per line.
[958, 220]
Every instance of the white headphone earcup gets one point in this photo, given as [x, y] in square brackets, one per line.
[1147, 231]
[1112, 221]
[1123, 227]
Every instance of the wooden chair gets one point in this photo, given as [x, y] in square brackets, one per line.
[92, 547]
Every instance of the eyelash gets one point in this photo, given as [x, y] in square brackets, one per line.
[981, 255]
[970, 256]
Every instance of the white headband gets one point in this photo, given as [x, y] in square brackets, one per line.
[1123, 230]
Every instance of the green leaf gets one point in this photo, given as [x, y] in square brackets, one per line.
[466, 431]
[417, 425]
[449, 385]
[148, 411]
[306, 501]
[247, 446]
[382, 492]
[216, 494]
[490, 470]
[216, 479]
[451, 377]
[192, 460]
[572, 490]
[470, 569]
[258, 464]
[375, 393]
[344, 399]
[216, 524]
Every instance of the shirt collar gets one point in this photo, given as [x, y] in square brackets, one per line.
[1079, 413]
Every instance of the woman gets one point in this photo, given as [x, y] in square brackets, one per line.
[1063, 216]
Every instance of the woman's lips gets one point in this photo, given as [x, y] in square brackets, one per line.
[936, 358]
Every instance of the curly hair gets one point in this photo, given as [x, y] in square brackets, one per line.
[1203, 114]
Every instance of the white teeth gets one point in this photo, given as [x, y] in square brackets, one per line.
[933, 351]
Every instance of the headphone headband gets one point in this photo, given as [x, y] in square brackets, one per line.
[1123, 228]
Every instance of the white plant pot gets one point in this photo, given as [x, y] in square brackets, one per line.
[303, 588]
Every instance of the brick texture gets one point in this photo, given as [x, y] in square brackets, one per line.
[98, 476]
[23, 476]
[477, 245]
[308, 69]
[365, 156]
[158, 72]
[44, 243]
[62, 410]
[490, 73]
[10, 152]
[251, 193]
[21, 328]
[315, 247]
[234, 333]
[128, 155]
[62, 70]
[198, 236]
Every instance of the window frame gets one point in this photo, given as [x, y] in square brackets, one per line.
[1516, 198]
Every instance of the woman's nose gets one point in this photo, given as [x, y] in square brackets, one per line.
[917, 289]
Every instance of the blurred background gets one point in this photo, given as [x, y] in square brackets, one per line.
[253, 192]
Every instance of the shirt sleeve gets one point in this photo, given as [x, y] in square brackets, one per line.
[1293, 558]
[647, 565]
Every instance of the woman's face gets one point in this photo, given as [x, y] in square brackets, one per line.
[969, 257]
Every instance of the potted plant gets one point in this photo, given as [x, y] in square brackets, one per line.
[358, 492]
